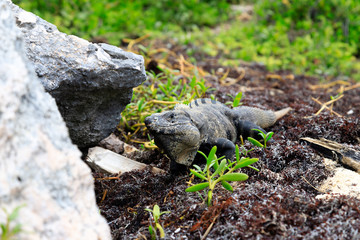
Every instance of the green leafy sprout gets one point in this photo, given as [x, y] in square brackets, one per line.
[236, 100]
[156, 226]
[266, 138]
[9, 232]
[215, 172]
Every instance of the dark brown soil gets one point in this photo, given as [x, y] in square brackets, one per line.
[275, 203]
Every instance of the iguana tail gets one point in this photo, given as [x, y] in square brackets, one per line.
[279, 114]
[260, 117]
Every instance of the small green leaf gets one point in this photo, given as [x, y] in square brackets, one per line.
[211, 156]
[213, 162]
[4, 229]
[227, 186]
[156, 212]
[261, 133]
[237, 154]
[193, 82]
[152, 232]
[161, 230]
[141, 105]
[197, 167]
[237, 99]
[203, 154]
[15, 213]
[199, 175]
[255, 142]
[165, 212]
[216, 164]
[202, 86]
[220, 168]
[269, 136]
[17, 229]
[197, 187]
[234, 177]
[254, 168]
[162, 89]
[245, 162]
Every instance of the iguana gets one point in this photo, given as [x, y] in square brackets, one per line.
[205, 123]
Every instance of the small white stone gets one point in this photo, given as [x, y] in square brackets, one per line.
[350, 112]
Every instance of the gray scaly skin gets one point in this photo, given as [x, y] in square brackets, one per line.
[205, 123]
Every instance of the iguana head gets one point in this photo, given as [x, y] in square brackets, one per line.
[176, 134]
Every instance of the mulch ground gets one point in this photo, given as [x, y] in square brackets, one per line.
[279, 202]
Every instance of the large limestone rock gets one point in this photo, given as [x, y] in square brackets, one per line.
[91, 83]
[40, 169]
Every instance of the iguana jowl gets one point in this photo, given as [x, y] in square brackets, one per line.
[205, 123]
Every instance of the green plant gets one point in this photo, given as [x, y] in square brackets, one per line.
[236, 100]
[266, 138]
[118, 19]
[311, 37]
[156, 226]
[8, 231]
[336, 96]
[215, 172]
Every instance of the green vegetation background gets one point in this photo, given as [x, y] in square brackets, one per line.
[308, 37]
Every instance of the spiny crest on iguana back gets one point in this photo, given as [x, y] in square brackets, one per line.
[197, 103]
[204, 123]
[262, 118]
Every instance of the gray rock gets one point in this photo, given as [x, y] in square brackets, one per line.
[340, 181]
[91, 83]
[113, 143]
[40, 169]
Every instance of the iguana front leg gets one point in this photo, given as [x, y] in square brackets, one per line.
[245, 129]
[225, 147]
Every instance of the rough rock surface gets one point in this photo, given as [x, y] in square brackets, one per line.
[343, 181]
[91, 83]
[40, 169]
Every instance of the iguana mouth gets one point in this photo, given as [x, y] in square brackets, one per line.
[180, 146]
[181, 152]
